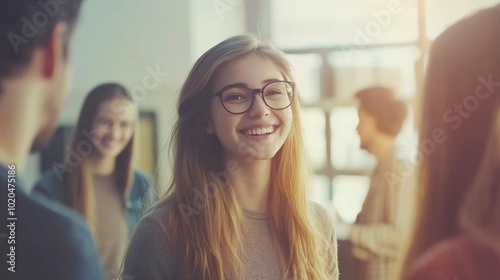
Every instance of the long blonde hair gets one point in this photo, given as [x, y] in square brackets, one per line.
[79, 180]
[205, 218]
[458, 183]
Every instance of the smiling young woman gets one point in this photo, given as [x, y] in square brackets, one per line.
[238, 108]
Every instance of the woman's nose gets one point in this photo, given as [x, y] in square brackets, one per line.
[259, 107]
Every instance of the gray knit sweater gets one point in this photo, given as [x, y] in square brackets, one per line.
[149, 256]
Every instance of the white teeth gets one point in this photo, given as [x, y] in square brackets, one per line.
[259, 131]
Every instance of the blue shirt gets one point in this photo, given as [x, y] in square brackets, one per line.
[51, 241]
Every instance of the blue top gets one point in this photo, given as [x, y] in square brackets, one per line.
[51, 187]
[50, 241]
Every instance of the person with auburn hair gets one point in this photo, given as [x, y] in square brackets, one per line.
[104, 187]
[38, 239]
[237, 206]
[378, 232]
[456, 234]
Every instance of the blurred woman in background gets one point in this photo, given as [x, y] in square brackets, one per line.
[100, 182]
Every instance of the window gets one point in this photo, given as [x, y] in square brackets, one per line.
[339, 47]
[440, 14]
[315, 23]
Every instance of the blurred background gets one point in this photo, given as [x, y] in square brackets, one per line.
[336, 48]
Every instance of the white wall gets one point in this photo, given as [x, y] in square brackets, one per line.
[213, 21]
[118, 40]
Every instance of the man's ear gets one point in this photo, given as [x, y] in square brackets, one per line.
[53, 51]
[209, 128]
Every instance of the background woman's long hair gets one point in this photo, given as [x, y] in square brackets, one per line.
[205, 217]
[458, 181]
[79, 180]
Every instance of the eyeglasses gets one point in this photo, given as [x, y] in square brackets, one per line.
[238, 99]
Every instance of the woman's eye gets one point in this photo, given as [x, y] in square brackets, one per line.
[274, 92]
[234, 97]
[104, 123]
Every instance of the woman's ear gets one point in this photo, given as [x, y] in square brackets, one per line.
[209, 128]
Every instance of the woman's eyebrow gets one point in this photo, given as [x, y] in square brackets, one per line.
[235, 85]
[271, 80]
[246, 85]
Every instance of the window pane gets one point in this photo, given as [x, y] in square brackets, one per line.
[407, 139]
[349, 193]
[346, 153]
[313, 121]
[298, 23]
[390, 67]
[319, 190]
[306, 68]
[442, 13]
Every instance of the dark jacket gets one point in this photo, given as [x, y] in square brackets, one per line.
[51, 241]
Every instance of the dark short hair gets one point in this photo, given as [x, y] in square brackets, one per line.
[388, 111]
[27, 24]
